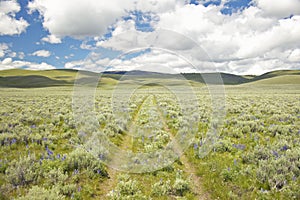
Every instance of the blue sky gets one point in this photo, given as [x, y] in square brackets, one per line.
[27, 45]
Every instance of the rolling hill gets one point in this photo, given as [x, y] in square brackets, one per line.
[20, 78]
[283, 79]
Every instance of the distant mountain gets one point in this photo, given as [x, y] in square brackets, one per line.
[21, 78]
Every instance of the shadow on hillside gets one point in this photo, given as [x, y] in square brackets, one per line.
[32, 81]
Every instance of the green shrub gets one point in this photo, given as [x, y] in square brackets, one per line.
[180, 185]
[55, 176]
[126, 189]
[23, 171]
[39, 193]
[81, 159]
[161, 188]
[223, 146]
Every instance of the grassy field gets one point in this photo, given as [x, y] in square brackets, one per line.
[257, 155]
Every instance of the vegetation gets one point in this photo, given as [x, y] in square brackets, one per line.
[256, 157]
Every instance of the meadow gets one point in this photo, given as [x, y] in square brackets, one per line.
[256, 156]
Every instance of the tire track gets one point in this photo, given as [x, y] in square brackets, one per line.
[197, 187]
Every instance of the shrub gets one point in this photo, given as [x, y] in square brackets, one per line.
[223, 146]
[161, 188]
[23, 171]
[81, 159]
[39, 193]
[180, 185]
[126, 189]
[55, 176]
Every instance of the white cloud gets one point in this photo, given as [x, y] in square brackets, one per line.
[158, 6]
[3, 49]
[21, 55]
[92, 63]
[285, 34]
[42, 53]
[279, 8]
[246, 35]
[86, 46]
[78, 18]
[156, 60]
[39, 66]
[294, 56]
[74, 64]
[9, 63]
[254, 40]
[52, 39]
[9, 25]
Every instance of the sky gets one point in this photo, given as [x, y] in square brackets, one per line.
[233, 36]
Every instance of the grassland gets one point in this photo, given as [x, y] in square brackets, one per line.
[256, 157]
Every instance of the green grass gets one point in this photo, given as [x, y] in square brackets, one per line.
[19, 78]
[52, 74]
[225, 174]
[278, 80]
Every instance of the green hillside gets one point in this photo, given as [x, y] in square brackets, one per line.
[284, 79]
[58, 74]
[275, 74]
[20, 78]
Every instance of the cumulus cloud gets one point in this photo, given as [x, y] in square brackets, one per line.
[248, 36]
[52, 39]
[9, 63]
[79, 18]
[39, 66]
[261, 37]
[279, 8]
[21, 55]
[92, 63]
[42, 53]
[156, 60]
[3, 49]
[294, 56]
[9, 25]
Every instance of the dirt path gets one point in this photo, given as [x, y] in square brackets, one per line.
[189, 169]
[110, 183]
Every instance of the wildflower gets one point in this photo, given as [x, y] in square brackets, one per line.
[13, 141]
[275, 153]
[76, 171]
[195, 146]
[284, 148]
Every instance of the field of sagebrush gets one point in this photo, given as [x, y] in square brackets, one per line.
[256, 156]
